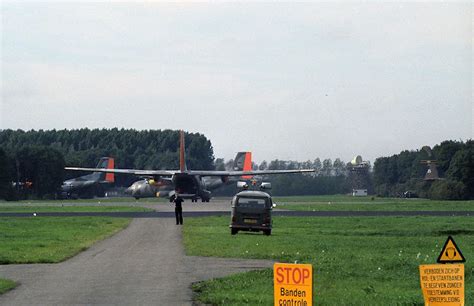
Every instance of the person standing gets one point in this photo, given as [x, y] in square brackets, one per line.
[178, 209]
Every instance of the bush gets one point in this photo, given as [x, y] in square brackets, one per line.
[447, 190]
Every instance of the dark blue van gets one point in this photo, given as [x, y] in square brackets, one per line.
[251, 211]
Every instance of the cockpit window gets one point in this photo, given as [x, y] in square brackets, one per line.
[251, 202]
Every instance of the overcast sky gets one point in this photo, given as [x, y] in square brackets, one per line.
[283, 80]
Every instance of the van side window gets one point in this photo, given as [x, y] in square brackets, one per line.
[251, 202]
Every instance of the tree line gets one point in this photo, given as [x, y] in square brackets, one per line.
[33, 162]
[329, 178]
[405, 171]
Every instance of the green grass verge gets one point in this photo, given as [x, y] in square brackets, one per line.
[51, 239]
[94, 200]
[73, 209]
[356, 261]
[6, 285]
[348, 203]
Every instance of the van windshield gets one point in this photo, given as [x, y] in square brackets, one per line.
[251, 202]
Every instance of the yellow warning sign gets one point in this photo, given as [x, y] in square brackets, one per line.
[450, 253]
[442, 284]
[293, 284]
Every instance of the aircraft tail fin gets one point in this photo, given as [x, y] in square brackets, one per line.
[110, 177]
[107, 163]
[243, 162]
[182, 157]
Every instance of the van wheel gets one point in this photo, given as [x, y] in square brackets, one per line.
[267, 232]
[234, 231]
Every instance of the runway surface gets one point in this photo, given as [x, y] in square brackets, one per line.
[286, 213]
[217, 207]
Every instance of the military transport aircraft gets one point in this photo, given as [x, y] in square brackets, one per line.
[149, 188]
[188, 183]
[90, 185]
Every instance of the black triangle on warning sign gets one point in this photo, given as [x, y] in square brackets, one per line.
[450, 253]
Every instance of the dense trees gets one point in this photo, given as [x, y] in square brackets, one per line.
[5, 175]
[39, 156]
[149, 149]
[405, 171]
[333, 180]
[43, 168]
[32, 170]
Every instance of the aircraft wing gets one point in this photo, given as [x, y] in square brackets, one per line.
[126, 171]
[190, 172]
[244, 173]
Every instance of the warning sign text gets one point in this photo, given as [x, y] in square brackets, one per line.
[442, 284]
[293, 284]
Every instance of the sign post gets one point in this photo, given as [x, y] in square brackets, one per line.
[443, 284]
[293, 284]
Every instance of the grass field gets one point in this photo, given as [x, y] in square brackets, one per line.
[84, 201]
[349, 203]
[6, 285]
[126, 204]
[51, 239]
[356, 261]
[72, 209]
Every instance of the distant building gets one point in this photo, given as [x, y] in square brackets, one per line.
[432, 172]
[359, 176]
[359, 192]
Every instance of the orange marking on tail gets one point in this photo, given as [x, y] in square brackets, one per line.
[247, 165]
[110, 177]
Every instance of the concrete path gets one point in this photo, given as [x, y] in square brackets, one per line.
[142, 265]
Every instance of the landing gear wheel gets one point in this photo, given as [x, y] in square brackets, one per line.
[267, 232]
[234, 231]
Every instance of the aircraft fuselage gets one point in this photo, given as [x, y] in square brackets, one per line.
[189, 186]
[75, 188]
[165, 188]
